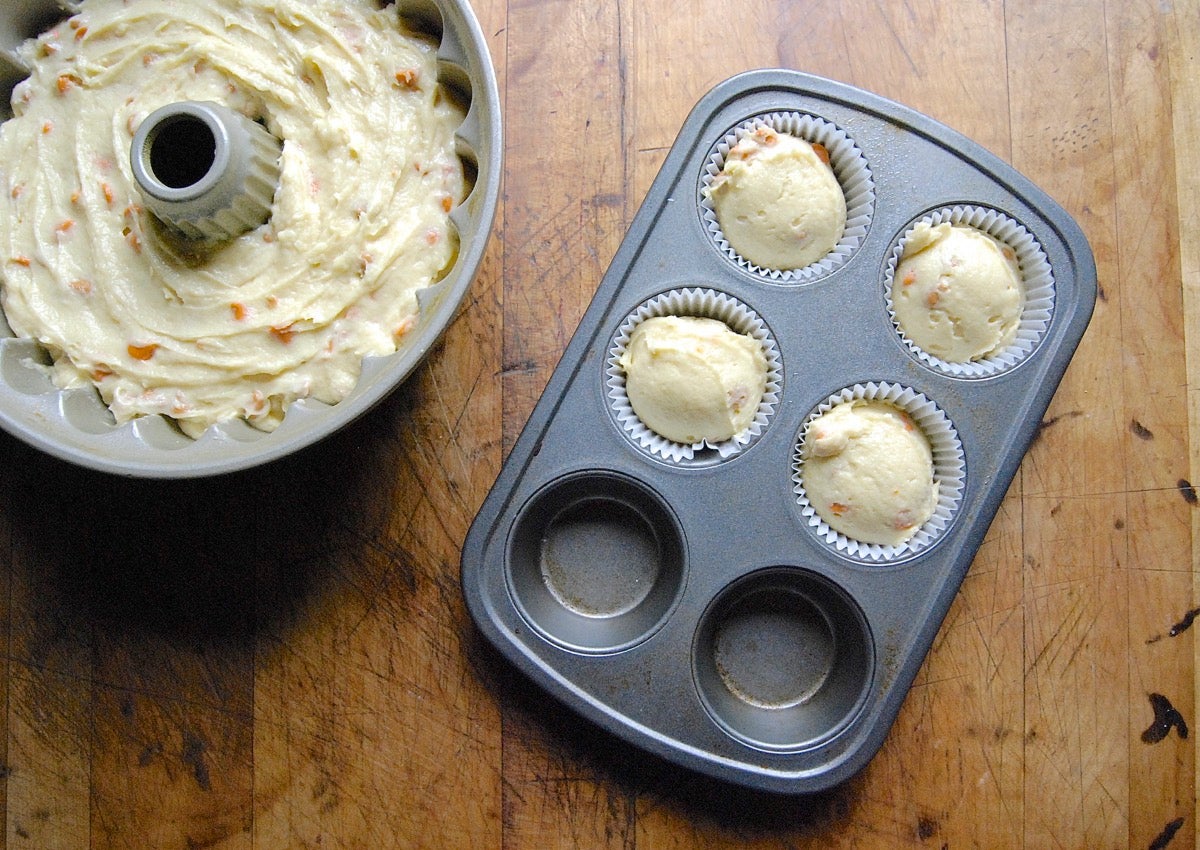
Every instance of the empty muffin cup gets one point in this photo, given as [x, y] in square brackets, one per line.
[783, 659]
[849, 167]
[596, 562]
[1037, 280]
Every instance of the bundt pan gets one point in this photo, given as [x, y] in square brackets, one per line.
[76, 426]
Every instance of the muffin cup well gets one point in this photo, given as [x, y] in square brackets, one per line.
[702, 303]
[949, 471]
[596, 562]
[849, 167]
[1036, 275]
[783, 659]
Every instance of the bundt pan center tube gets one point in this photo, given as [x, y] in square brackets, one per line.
[205, 170]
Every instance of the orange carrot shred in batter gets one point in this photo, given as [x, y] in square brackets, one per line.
[142, 352]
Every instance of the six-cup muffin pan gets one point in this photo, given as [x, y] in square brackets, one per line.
[688, 598]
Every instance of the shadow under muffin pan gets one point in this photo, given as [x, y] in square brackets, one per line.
[693, 608]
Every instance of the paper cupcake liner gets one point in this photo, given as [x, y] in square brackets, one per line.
[849, 166]
[949, 471]
[703, 303]
[1036, 275]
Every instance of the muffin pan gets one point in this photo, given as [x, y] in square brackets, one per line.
[690, 601]
[76, 426]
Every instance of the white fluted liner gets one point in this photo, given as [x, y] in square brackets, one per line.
[1036, 275]
[949, 471]
[849, 167]
[703, 303]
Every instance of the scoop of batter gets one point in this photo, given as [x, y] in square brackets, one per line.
[777, 200]
[868, 472]
[957, 292]
[201, 334]
[691, 379]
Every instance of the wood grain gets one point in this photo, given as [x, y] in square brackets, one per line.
[282, 658]
[1183, 47]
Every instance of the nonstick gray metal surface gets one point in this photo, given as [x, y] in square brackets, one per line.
[689, 603]
[74, 424]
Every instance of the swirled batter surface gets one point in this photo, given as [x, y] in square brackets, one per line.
[199, 333]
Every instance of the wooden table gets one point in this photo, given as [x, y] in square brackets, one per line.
[282, 659]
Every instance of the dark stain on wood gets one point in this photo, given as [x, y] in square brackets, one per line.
[1179, 628]
[1166, 718]
[526, 366]
[193, 757]
[146, 756]
[1140, 431]
[926, 828]
[1184, 624]
[1167, 835]
[607, 199]
[1047, 424]
[1187, 491]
